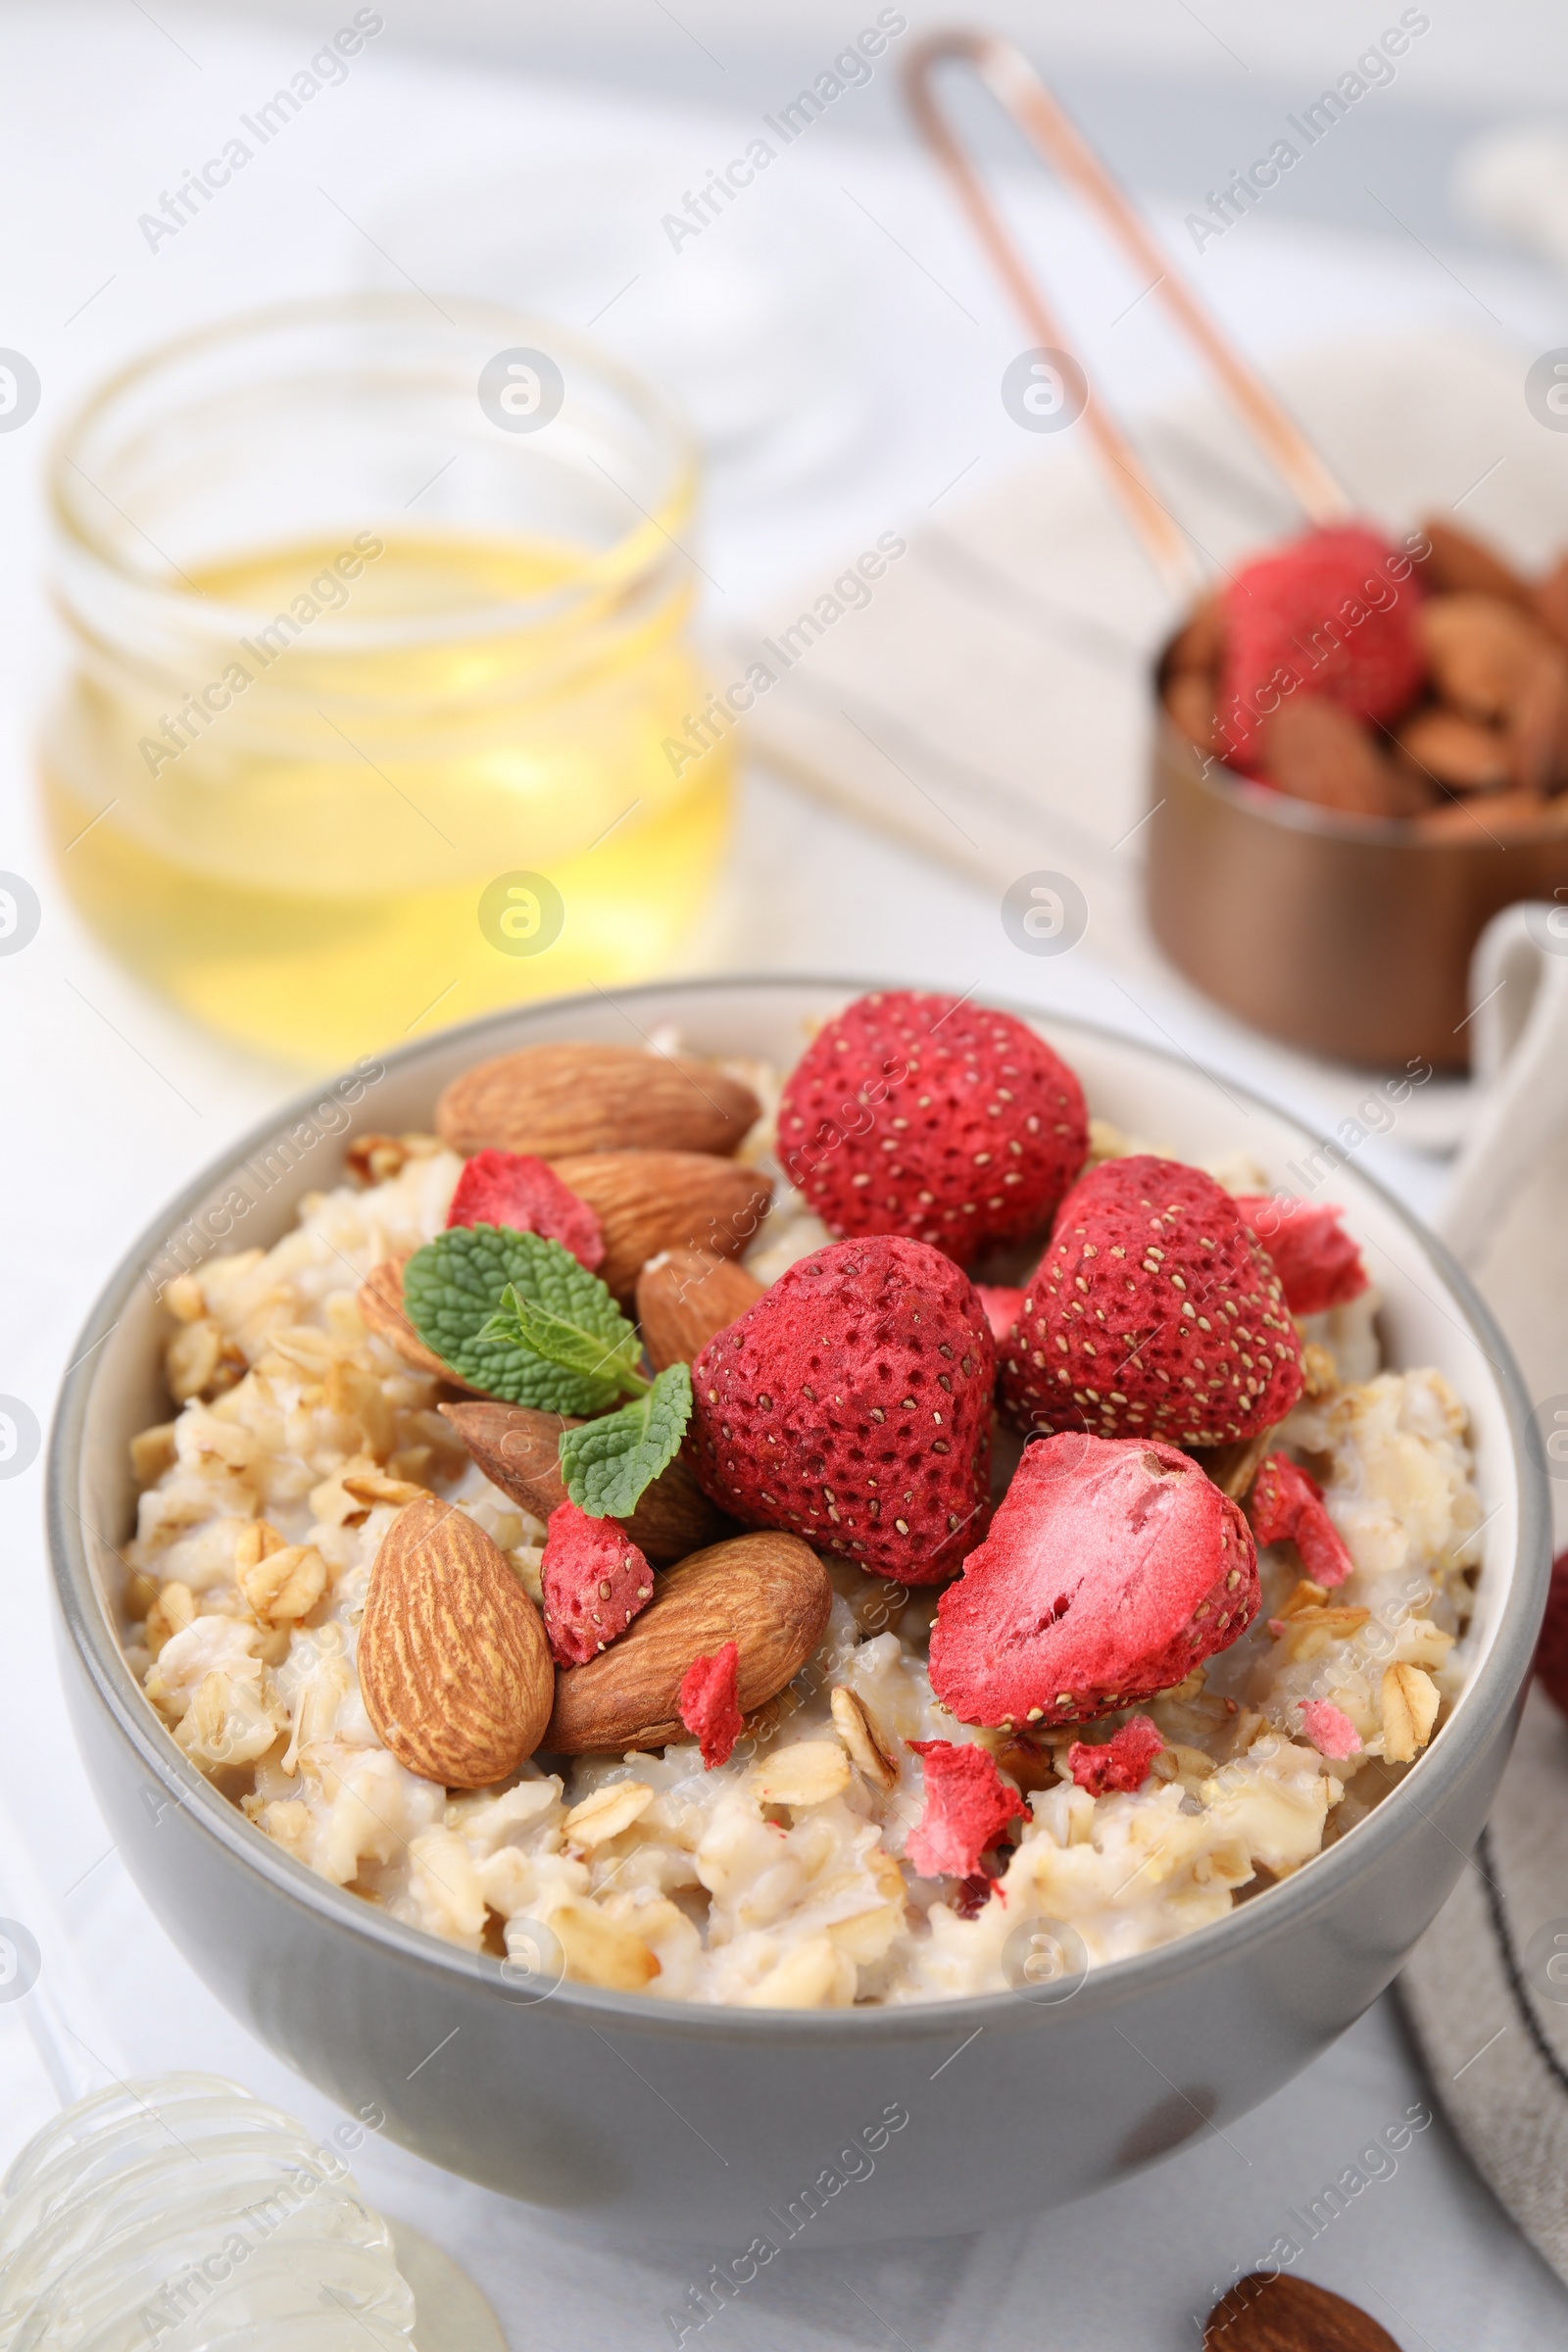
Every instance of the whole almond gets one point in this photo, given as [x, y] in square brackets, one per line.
[685, 1298]
[1271, 2312]
[767, 1594]
[556, 1099]
[1459, 565]
[1316, 751]
[454, 1664]
[518, 1451]
[380, 1306]
[648, 1202]
[1455, 751]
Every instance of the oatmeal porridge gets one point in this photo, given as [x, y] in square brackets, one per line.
[1107, 1588]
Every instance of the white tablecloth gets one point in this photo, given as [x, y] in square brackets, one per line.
[113, 1100]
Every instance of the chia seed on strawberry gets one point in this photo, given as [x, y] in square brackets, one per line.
[1112, 1567]
[1318, 1264]
[852, 1405]
[1155, 1312]
[511, 1188]
[595, 1581]
[931, 1117]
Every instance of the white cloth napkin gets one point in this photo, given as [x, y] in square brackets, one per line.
[1487, 1990]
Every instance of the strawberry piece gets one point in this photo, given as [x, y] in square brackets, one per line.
[511, 1188]
[1323, 617]
[967, 1806]
[927, 1116]
[1112, 1566]
[1153, 1310]
[1318, 1264]
[709, 1703]
[595, 1581]
[1001, 1308]
[1551, 1649]
[1287, 1505]
[1120, 1763]
[852, 1405]
[1329, 1729]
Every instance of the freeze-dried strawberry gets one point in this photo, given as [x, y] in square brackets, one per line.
[1154, 1311]
[1318, 1264]
[1112, 1566]
[1551, 1649]
[1120, 1763]
[1002, 1306]
[595, 1581]
[1321, 615]
[511, 1188]
[1287, 1505]
[1329, 1729]
[927, 1116]
[967, 1806]
[709, 1703]
[852, 1405]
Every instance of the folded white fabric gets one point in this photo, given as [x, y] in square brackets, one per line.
[1485, 1991]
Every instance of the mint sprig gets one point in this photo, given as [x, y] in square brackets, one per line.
[517, 1316]
[607, 1463]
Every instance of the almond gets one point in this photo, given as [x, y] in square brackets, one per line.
[767, 1594]
[1272, 2311]
[518, 1451]
[380, 1306]
[555, 1099]
[684, 1297]
[648, 1202]
[454, 1664]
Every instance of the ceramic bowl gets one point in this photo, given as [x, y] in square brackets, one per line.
[665, 2120]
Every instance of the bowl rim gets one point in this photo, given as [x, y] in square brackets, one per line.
[1269, 1917]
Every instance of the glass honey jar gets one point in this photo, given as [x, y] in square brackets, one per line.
[382, 703]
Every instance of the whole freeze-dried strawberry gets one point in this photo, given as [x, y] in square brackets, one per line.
[1154, 1311]
[931, 1117]
[1323, 615]
[852, 1405]
[595, 1581]
[1287, 1505]
[1112, 1568]
[1120, 1763]
[511, 1188]
[1318, 1264]
[967, 1806]
[710, 1704]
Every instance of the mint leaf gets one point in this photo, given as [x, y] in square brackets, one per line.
[451, 1292]
[519, 1322]
[607, 1463]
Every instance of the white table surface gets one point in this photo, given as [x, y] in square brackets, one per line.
[113, 1100]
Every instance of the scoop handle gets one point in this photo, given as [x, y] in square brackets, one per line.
[1015, 86]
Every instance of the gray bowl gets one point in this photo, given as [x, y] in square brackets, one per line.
[663, 2118]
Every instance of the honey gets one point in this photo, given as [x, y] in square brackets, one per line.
[355, 783]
